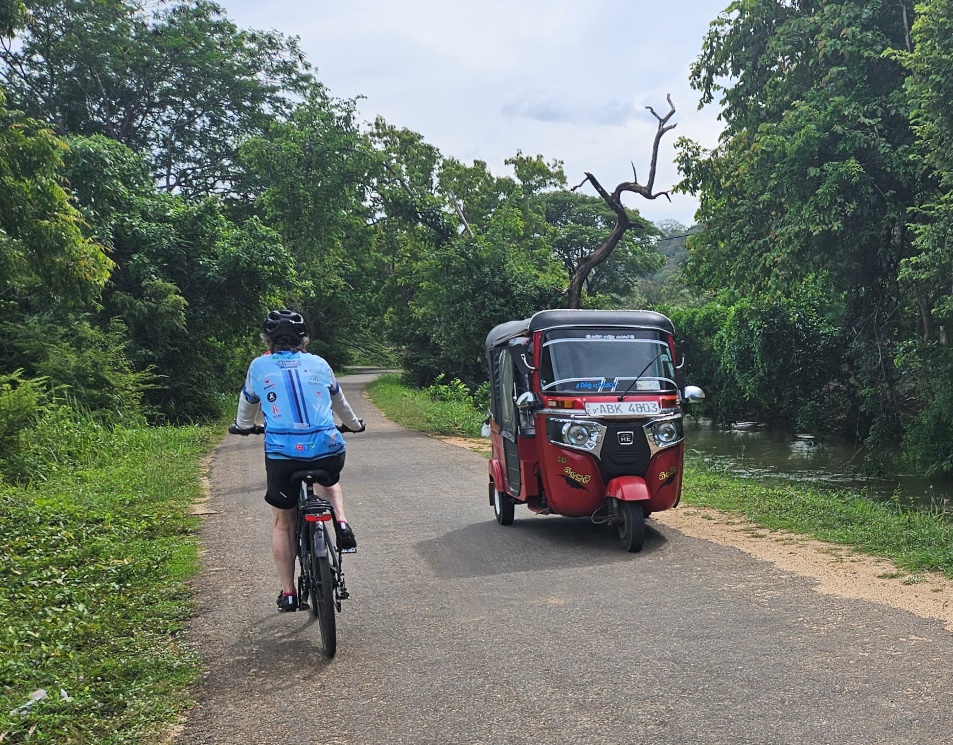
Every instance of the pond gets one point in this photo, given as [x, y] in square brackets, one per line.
[752, 450]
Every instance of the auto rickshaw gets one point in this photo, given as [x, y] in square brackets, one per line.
[586, 417]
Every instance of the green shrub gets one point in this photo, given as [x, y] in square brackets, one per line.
[455, 391]
[86, 363]
[22, 404]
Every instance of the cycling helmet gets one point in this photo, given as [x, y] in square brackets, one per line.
[285, 324]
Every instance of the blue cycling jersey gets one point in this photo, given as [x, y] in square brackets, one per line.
[295, 389]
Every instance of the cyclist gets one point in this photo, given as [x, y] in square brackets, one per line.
[296, 392]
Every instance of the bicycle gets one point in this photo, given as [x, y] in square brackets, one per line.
[321, 585]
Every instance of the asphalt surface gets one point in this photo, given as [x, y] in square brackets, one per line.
[459, 630]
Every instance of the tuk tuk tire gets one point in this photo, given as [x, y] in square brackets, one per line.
[503, 507]
[632, 526]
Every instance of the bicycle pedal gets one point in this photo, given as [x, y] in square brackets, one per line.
[304, 605]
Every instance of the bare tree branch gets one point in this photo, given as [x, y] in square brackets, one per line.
[614, 201]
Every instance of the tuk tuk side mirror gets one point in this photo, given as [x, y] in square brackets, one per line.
[681, 363]
[527, 401]
[693, 394]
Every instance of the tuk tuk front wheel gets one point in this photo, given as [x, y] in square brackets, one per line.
[632, 526]
[503, 506]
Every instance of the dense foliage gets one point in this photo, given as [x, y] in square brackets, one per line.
[818, 203]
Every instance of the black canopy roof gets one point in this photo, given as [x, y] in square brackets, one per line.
[548, 319]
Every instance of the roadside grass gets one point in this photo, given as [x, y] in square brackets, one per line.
[442, 409]
[915, 540]
[94, 563]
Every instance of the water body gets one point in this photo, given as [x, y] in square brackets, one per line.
[751, 450]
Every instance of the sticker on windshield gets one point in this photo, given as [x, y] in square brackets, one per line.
[596, 385]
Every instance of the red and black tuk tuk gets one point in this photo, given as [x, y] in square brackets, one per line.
[586, 417]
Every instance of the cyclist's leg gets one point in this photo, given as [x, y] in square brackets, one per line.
[282, 495]
[335, 495]
[283, 547]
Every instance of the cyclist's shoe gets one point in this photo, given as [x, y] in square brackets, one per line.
[346, 540]
[287, 602]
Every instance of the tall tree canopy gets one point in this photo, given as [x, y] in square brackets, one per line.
[176, 81]
[814, 178]
[45, 257]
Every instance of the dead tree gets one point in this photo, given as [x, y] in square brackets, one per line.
[614, 200]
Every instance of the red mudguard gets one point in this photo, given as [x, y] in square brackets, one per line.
[628, 489]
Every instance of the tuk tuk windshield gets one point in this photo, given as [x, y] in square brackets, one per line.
[606, 361]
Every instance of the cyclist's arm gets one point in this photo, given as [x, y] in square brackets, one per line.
[343, 410]
[249, 405]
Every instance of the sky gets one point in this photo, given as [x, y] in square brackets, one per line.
[566, 79]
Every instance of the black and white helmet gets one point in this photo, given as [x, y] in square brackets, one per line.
[285, 324]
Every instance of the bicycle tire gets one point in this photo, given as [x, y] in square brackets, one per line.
[322, 594]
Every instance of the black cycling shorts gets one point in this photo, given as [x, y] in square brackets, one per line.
[282, 492]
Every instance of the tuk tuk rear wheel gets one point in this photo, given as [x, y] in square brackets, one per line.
[632, 526]
[503, 506]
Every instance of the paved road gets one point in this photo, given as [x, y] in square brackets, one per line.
[463, 631]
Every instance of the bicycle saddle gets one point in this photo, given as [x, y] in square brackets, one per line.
[317, 475]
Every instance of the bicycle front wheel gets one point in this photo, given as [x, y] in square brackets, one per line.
[322, 593]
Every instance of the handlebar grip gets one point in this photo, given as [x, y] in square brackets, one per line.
[345, 428]
[234, 429]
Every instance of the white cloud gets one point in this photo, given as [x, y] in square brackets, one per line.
[566, 79]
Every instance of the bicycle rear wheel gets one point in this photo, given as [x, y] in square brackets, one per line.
[322, 592]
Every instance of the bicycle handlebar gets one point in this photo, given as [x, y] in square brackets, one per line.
[345, 428]
[234, 429]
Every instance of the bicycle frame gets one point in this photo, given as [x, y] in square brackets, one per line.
[312, 514]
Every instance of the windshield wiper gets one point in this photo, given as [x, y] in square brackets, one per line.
[638, 377]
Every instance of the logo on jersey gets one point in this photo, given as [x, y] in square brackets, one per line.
[271, 397]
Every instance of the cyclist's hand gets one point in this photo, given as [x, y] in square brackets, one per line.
[234, 429]
[345, 428]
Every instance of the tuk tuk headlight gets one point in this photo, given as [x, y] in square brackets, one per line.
[576, 434]
[580, 435]
[666, 432]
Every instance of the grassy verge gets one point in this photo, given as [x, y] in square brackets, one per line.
[439, 410]
[914, 540]
[94, 564]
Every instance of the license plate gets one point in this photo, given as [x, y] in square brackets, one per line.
[623, 408]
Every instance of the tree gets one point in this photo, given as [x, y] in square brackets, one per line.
[314, 173]
[190, 285]
[176, 82]
[578, 226]
[12, 16]
[614, 200]
[45, 258]
[814, 177]
[927, 363]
